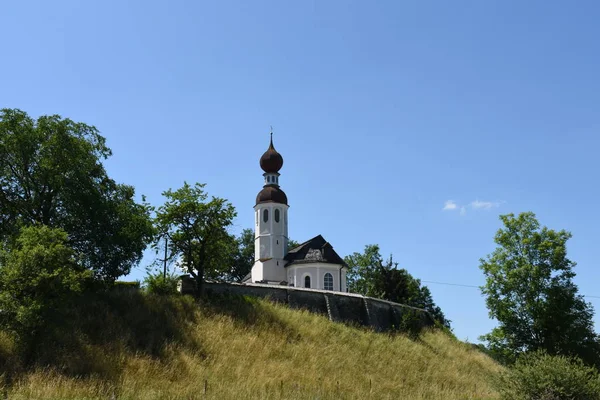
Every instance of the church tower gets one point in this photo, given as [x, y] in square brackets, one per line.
[270, 222]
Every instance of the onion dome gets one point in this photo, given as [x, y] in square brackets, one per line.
[271, 161]
[271, 194]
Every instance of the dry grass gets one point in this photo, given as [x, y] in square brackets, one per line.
[131, 346]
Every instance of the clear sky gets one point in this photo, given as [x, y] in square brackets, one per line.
[385, 113]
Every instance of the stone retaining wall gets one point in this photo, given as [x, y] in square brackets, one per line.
[350, 308]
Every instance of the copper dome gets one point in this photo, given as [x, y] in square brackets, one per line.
[271, 194]
[271, 161]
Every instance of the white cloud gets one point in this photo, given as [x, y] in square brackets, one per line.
[450, 205]
[484, 205]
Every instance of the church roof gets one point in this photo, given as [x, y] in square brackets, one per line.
[271, 161]
[315, 250]
[271, 194]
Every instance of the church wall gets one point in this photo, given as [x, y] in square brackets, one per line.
[349, 308]
[297, 273]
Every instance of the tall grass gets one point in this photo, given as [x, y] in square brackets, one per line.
[136, 346]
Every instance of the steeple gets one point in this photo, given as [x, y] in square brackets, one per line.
[271, 227]
[271, 162]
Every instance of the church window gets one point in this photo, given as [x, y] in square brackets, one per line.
[328, 279]
[307, 281]
[268, 179]
[277, 215]
[265, 215]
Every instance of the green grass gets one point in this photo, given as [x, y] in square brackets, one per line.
[136, 346]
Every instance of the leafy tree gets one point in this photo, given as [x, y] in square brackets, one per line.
[529, 289]
[51, 174]
[158, 283]
[244, 257]
[371, 276]
[39, 274]
[538, 376]
[197, 230]
[292, 244]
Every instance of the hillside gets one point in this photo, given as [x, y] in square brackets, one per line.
[136, 346]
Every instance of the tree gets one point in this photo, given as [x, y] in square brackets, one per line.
[196, 228]
[537, 376]
[529, 289]
[244, 257]
[370, 276]
[39, 274]
[51, 173]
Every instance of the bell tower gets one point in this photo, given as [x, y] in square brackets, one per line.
[270, 222]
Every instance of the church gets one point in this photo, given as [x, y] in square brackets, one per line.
[313, 264]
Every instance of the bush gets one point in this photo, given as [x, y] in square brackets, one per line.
[158, 284]
[123, 285]
[539, 376]
[39, 275]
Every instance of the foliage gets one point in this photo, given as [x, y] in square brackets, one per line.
[244, 257]
[158, 283]
[39, 274]
[530, 291]
[196, 228]
[370, 276]
[539, 376]
[134, 345]
[51, 173]
[127, 285]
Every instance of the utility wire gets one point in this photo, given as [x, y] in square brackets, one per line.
[477, 287]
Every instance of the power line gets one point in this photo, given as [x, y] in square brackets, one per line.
[477, 287]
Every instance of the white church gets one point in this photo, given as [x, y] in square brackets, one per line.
[313, 264]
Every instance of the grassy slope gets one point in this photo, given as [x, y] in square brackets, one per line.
[134, 346]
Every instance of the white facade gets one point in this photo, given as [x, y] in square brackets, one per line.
[308, 265]
[315, 276]
[270, 238]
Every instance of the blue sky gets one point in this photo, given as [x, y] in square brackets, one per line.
[383, 111]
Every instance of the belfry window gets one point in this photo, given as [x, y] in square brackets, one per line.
[328, 281]
[268, 178]
[277, 215]
[265, 215]
[307, 281]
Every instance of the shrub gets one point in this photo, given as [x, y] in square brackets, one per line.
[539, 376]
[38, 276]
[123, 285]
[157, 283]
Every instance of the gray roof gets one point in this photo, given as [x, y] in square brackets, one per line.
[315, 250]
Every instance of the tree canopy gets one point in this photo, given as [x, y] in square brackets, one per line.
[529, 289]
[196, 228]
[371, 276]
[51, 173]
[39, 273]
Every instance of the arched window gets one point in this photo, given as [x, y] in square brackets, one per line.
[328, 281]
[277, 215]
[266, 215]
[307, 281]
[268, 178]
